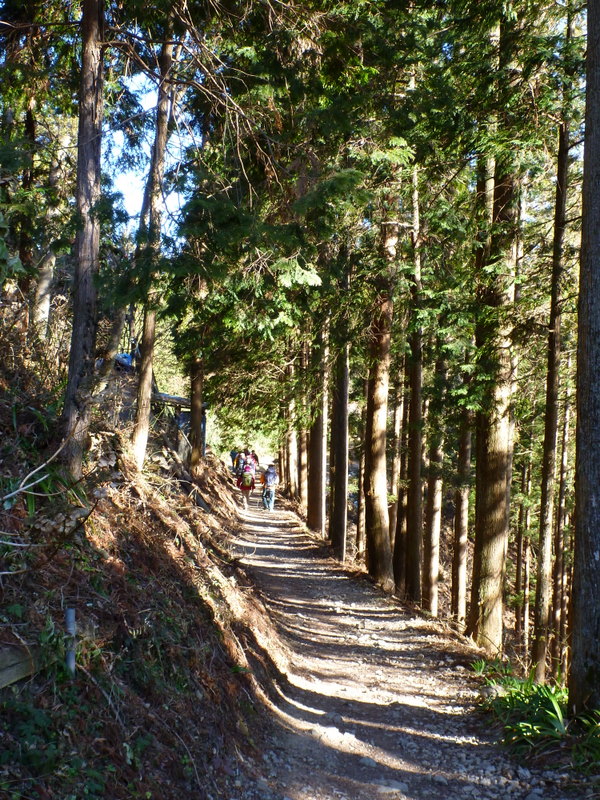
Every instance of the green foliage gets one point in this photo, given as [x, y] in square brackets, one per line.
[38, 738]
[534, 718]
[491, 669]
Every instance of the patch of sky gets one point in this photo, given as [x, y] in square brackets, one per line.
[129, 169]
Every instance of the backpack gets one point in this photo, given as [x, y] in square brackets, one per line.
[247, 479]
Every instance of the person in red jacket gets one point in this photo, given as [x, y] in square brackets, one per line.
[246, 484]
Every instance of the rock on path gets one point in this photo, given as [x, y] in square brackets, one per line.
[377, 701]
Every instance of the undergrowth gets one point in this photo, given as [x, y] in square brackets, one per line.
[535, 720]
[158, 703]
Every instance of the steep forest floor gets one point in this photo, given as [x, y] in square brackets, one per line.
[225, 654]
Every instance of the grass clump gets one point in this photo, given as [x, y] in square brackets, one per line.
[535, 720]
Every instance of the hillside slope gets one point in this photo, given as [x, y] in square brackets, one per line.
[161, 704]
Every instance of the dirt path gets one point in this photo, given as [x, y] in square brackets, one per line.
[377, 701]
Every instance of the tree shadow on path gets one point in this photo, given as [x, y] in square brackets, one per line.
[374, 699]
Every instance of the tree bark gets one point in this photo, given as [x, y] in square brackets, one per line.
[461, 519]
[379, 552]
[494, 423]
[303, 468]
[522, 576]
[303, 438]
[433, 506]
[77, 410]
[560, 593]
[396, 452]
[544, 565]
[338, 523]
[152, 248]
[292, 442]
[317, 446]
[584, 677]
[401, 513]
[414, 507]
[361, 529]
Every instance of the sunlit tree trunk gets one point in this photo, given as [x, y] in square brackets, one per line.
[153, 231]
[414, 507]
[396, 451]
[338, 522]
[461, 519]
[76, 411]
[584, 676]
[522, 533]
[544, 564]
[361, 537]
[303, 468]
[401, 508]
[379, 552]
[433, 506]
[559, 587]
[291, 439]
[494, 423]
[303, 436]
[317, 445]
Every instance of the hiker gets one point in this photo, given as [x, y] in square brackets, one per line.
[252, 461]
[233, 454]
[269, 480]
[246, 484]
[240, 462]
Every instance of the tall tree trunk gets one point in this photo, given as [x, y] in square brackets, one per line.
[526, 592]
[396, 451]
[303, 435]
[317, 446]
[494, 424]
[560, 595]
[283, 469]
[303, 468]
[544, 566]
[379, 552]
[401, 505]
[153, 205]
[315, 516]
[338, 522]
[76, 411]
[361, 528]
[292, 442]
[461, 519]
[377, 522]
[433, 506]
[523, 525]
[414, 508]
[584, 677]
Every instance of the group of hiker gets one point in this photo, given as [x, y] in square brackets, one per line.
[246, 465]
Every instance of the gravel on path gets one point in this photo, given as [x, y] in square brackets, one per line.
[377, 700]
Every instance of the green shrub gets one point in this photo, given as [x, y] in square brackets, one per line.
[535, 721]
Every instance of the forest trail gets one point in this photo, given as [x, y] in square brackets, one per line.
[376, 701]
